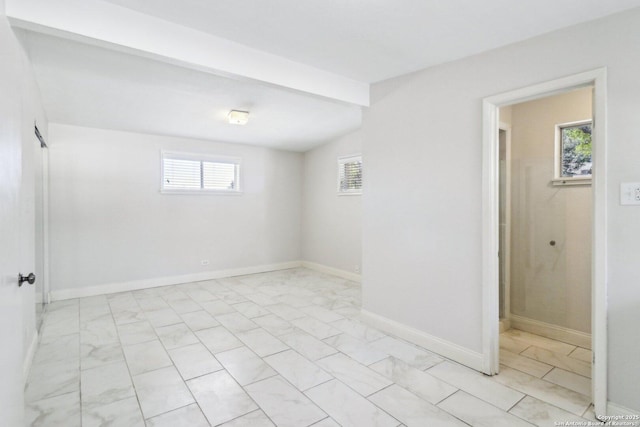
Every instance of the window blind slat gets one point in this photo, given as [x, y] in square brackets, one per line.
[181, 174]
[350, 175]
[219, 176]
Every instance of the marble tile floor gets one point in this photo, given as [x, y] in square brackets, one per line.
[284, 348]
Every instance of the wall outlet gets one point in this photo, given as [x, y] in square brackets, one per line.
[630, 193]
[357, 268]
[204, 262]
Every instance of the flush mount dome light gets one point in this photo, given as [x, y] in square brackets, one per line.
[237, 117]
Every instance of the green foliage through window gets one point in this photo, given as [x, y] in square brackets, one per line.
[576, 150]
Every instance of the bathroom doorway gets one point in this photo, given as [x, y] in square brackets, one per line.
[546, 209]
[545, 221]
[545, 266]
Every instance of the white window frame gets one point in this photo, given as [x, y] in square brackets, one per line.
[558, 179]
[341, 162]
[202, 157]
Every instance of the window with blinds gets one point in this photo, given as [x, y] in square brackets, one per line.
[183, 172]
[350, 175]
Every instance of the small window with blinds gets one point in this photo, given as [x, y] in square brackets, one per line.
[186, 173]
[350, 175]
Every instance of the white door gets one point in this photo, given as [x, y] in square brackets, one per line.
[14, 256]
[11, 296]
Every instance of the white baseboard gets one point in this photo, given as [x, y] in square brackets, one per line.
[112, 288]
[28, 358]
[333, 271]
[437, 345]
[548, 330]
[615, 409]
[505, 325]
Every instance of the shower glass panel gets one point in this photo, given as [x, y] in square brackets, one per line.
[503, 224]
[539, 290]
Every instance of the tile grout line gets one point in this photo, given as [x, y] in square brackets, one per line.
[124, 357]
[184, 381]
[452, 394]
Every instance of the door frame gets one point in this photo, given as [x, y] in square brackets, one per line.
[45, 226]
[490, 198]
[44, 174]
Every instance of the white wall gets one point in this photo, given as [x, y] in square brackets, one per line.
[331, 223]
[19, 106]
[422, 207]
[109, 223]
[551, 284]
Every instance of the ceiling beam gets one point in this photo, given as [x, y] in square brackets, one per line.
[108, 25]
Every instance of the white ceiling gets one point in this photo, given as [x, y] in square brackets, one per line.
[91, 86]
[91, 81]
[373, 40]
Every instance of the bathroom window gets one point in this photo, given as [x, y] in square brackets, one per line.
[198, 173]
[573, 153]
[350, 175]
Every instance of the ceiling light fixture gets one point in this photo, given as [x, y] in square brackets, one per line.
[237, 117]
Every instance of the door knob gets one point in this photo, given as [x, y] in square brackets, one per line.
[31, 278]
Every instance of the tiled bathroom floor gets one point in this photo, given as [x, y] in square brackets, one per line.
[562, 364]
[283, 348]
